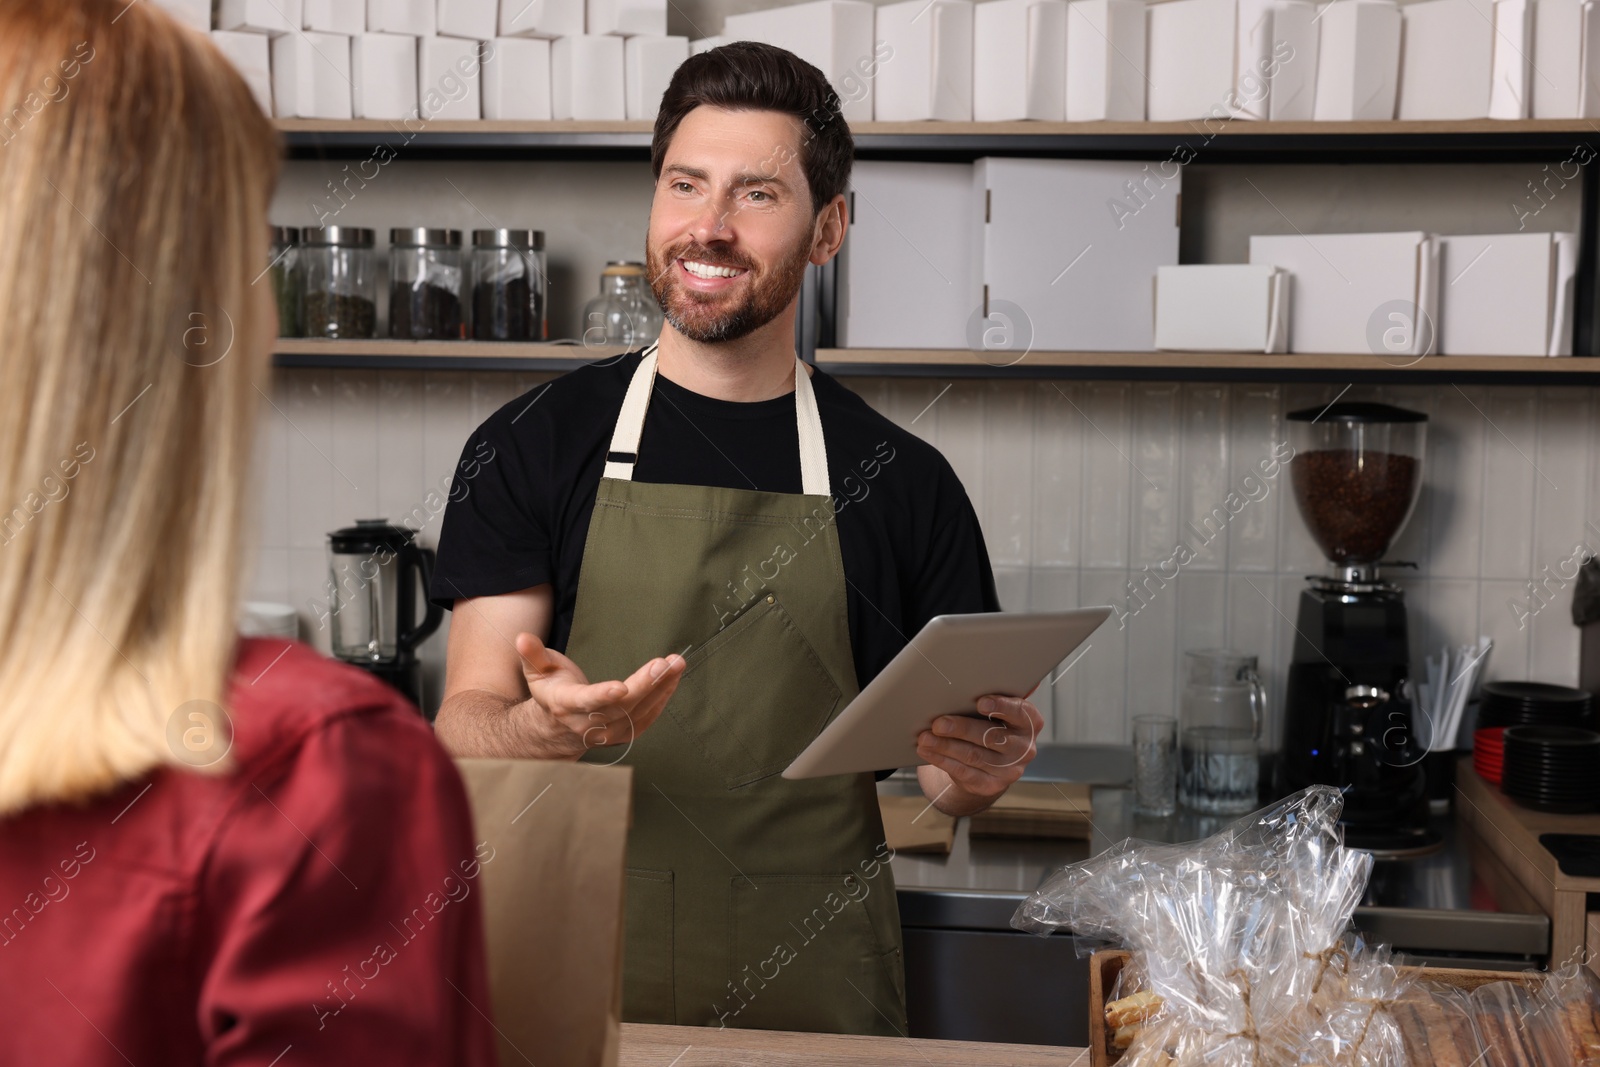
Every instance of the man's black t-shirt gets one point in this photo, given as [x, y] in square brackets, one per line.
[525, 488]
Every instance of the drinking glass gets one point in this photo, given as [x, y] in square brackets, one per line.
[1155, 766]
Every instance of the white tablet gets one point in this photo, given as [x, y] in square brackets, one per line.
[953, 661]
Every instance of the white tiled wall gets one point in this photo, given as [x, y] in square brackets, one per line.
[1079, 486]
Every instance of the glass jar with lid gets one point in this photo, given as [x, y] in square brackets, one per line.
[425, 274]
[508, 285]
[288, 279]
[625, 313]
[341, 282]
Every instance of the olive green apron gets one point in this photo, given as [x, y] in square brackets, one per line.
[752, 901]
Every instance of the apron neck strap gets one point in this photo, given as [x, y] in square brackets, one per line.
[624, 452]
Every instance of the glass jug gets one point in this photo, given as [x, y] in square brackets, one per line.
[1219, 732]
[625, 313]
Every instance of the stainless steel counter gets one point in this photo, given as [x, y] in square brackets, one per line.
[971, 976]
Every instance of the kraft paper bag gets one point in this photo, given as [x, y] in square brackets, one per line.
[552, 900]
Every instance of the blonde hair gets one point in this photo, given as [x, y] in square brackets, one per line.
[135, 174]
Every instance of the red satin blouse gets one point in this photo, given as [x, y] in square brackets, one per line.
[319, 905]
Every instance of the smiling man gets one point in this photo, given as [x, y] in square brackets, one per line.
[731, 544]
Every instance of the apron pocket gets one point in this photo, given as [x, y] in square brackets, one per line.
[647, 948]
[805, 958]
[754, 695]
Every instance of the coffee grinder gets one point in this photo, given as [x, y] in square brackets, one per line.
[375, 570]
[1357, 472]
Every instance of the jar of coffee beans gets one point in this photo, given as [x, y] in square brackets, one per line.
[341, 282]
[288, 280]
[425, 275]
[508, 285]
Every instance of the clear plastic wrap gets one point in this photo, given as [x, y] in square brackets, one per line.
[1242, 936]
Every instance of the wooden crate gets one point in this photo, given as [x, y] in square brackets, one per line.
[1105, 965]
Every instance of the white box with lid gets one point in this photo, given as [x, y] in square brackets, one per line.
[311, 76]
[1505, 294]
[335, 16]
[1358, 61]
[648, 65]
[196, 14]
[1355, 293]
[251, 55]
[1105, 60]
[541, 18]
[1447, 59]
[1073, 246]
[449, 78]
[898, 286]
[477, 19]
[383, 75]
[419, 18]
[516, 79]
[586, 78]
[1019, 60]
[1222, 307]
[930, 74]
[626, 18]
[835, 36]
[259, 16]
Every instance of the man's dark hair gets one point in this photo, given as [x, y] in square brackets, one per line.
[750, 76]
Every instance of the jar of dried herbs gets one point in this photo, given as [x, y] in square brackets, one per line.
[425, 275]
[288, 280]
[508, 285]
[341, 282]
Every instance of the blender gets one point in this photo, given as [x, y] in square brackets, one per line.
[1348, 713]
[374, 569]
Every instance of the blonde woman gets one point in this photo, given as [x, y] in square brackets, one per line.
[211, 850]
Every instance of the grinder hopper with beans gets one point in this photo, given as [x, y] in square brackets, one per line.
[1348, 715]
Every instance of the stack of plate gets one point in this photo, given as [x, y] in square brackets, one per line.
[1488, 753]
[1552, 768]
[1534, 704]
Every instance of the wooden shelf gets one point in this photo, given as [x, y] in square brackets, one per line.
[1208, 366]
[384, 354]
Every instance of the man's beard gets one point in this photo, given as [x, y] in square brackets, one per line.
[708, 317]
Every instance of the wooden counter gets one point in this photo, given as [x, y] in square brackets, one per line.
[704, 1046]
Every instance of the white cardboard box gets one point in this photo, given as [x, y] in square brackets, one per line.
[541, 18]
[1566, 279]
[311, 76]
[1292, 58]
[1074, 246]
[1358, 292]
[706, 44]
[1222, 307]
[1566, 59]
[1190, 62]
[1358, 62]
[835, 36]
[628, 17]
[930, 73]
[900, 284]
[1019, 60]
[1498, 294]
[1105, 60]
[259, 16]
[516, 79]
[419, 18]
[250, 53]
[335, 16]
[1511, 65]
[475, 19]
[195, 14]
[449, 78]
[586, 78]
[1447, 59]
[648, 65]
[383, 73]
